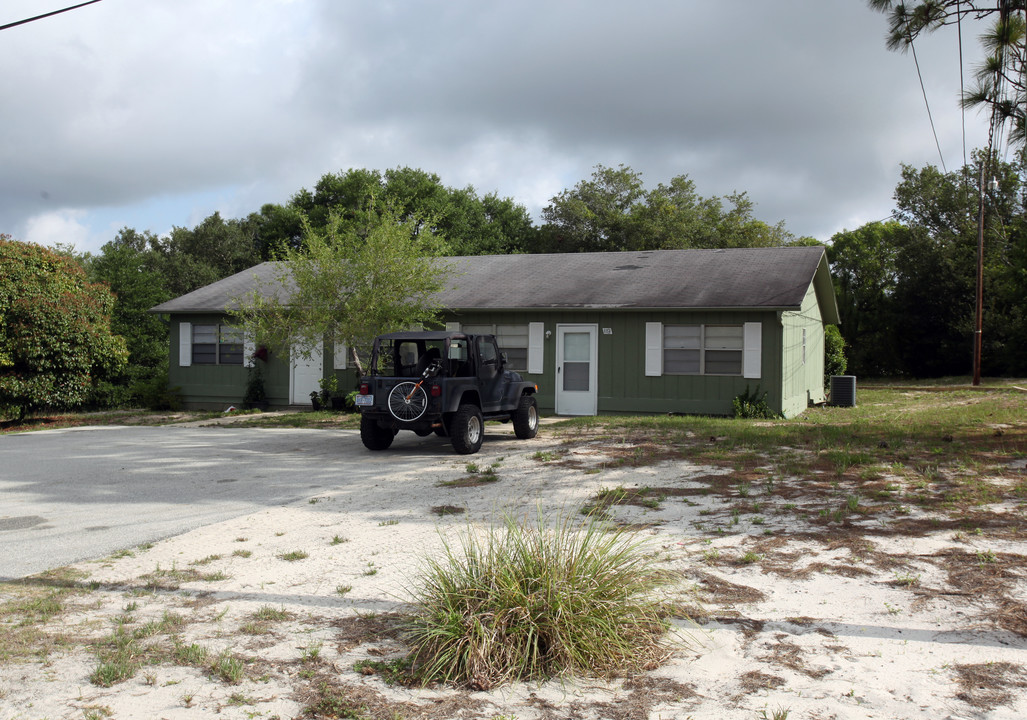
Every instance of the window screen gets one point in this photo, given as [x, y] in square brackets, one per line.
[681, 344]
[513, 340]
[723, 349]
[205, 344]
[230, 347]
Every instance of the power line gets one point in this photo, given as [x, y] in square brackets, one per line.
[962, 91]
[46, 15]
[927, 104]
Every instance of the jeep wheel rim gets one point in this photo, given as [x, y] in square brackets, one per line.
[473, 430]
[532, 417]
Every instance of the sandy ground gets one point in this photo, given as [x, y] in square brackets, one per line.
[793, 617]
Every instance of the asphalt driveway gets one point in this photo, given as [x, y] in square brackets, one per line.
[81, 493]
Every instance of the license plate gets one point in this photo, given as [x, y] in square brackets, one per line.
[364, 400]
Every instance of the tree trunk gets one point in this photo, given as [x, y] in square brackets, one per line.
[356, 361]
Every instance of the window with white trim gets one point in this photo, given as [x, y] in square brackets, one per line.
[722, 350]
[512, 340]
[702, 349]
[682, 353]
[216, 345]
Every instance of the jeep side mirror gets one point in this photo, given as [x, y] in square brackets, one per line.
[503, 359]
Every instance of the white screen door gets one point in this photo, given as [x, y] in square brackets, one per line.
[304, 376]
[576, 369]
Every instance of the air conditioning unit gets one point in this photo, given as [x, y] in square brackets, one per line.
[843, 390]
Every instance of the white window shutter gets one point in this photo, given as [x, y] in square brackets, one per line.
[536, 348]
[452, 327]
[339, 360]
[653, 349]
[752, 350]
[185, 344]
[248, 348]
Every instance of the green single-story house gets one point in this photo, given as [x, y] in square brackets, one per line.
[662, 331]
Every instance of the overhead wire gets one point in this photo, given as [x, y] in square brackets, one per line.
[46, 15]
[930, 117]
[962, 89]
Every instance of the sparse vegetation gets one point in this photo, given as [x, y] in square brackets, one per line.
[941, 464]
[269, 613]
[752, 405]
[227, 667]
[293, 556]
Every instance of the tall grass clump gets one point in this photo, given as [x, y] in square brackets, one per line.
[525, 601]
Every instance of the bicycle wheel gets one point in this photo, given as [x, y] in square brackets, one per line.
[407, 401]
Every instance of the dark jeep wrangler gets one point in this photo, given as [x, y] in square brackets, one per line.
[448, 383]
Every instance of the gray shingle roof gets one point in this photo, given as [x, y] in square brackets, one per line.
[736, 278]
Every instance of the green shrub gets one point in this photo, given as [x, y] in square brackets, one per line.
[526, 602]
[105, 395]
[256, 393]
[752, 405]
[834, 354]
[153, 392]
[56, 341]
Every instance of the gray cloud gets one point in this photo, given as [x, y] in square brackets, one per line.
[796, 102]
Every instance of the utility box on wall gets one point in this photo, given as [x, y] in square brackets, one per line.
[843, 390]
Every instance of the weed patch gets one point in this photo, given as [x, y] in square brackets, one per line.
[529, 602]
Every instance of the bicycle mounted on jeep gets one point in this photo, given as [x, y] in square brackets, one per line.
[444, 382]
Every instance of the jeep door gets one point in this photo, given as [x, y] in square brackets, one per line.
[492, 380]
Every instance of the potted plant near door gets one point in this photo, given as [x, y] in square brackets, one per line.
[330, 396]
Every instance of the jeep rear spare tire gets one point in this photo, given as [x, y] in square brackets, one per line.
[467, 429]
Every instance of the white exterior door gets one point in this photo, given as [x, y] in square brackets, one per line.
[576, 369]
[305, 376]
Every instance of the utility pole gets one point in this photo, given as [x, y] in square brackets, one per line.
[978, 324]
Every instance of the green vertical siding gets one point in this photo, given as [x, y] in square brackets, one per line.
[802, 382]
[218, 386]
[623, 386]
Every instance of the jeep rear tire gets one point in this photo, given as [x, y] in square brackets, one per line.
[467, 429]
[374, 436]
[525, 418]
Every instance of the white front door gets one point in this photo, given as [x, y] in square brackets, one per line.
[305, 376]
[576, 374]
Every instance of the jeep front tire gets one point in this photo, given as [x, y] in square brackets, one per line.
[525, 418]
[467, 429]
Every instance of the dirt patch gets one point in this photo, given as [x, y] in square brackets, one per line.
[988, 685]
[789, 655]
[354, 631]
[754, 680]
[327, 697]
[643, 696]
[441, 510]
[724, 592]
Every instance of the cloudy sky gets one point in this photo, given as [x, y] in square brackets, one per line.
[156, 114]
